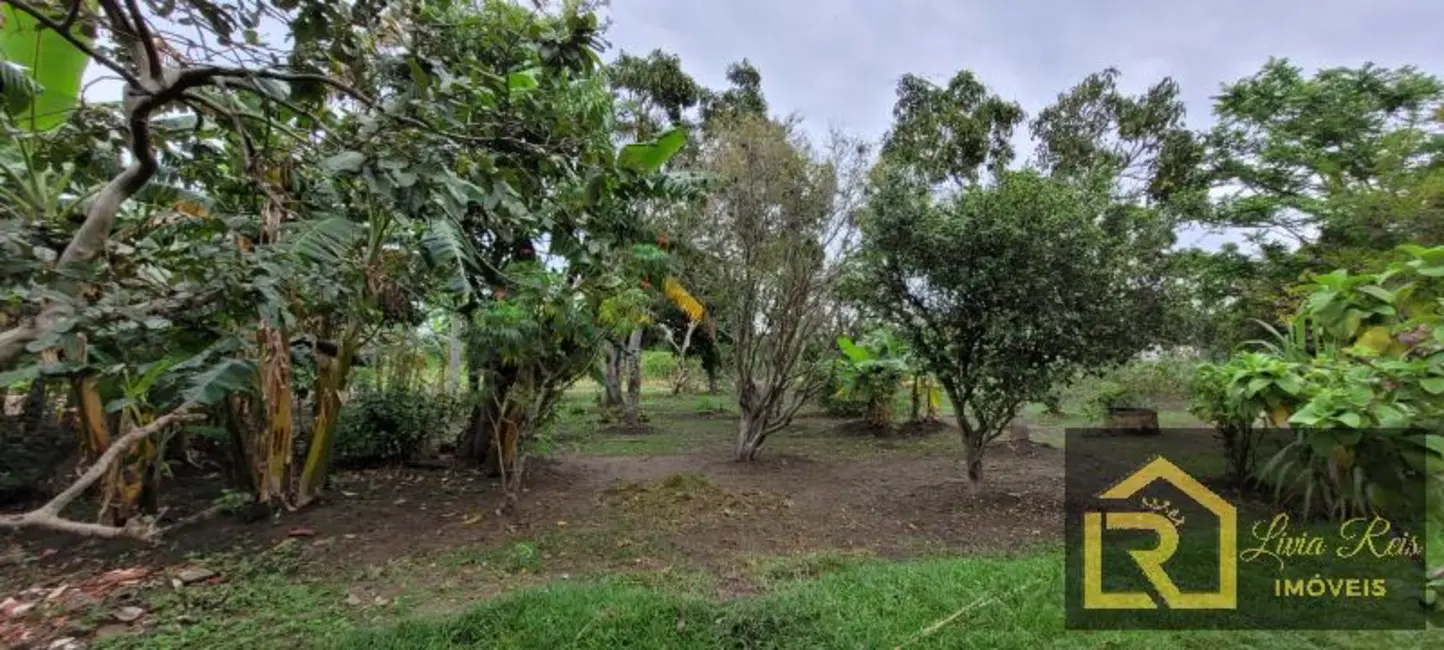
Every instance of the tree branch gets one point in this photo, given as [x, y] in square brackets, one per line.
[48, 515]
[147, 40]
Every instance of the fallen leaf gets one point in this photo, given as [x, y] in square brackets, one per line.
[353, 600]
[194, 574]
[471, 520]
[128, 613]
[301, 532]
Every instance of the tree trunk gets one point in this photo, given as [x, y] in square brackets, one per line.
[612, 387]
[123, 482]
[974, 459]
[484, 443]
[272, 451]
[712, 387]
[750, 434]
[330, 381]
[752, 423]
[631, 405]
[453, 365]
[917, 400]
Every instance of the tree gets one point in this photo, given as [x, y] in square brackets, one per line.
[779, 224]
[1137, 144]
[949, 133]
[1002, 291]
[1295, 152]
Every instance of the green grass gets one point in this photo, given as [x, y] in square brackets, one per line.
[870, 605]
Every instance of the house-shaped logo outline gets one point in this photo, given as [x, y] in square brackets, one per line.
[1150, 561]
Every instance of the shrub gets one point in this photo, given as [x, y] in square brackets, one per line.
[1234, 424]
[658, 365]
[707, 405]
[393, 424]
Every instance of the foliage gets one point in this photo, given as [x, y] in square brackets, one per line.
[872, 604]
[394, 424]
[1003, 292]
[776, 222]
[1357, 380]
[1235, 424]
[869, 373]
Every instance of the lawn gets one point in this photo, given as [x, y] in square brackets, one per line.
[836, 538]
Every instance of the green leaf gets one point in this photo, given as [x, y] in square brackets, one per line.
[1289, 384]
[54, 64]
[118, 404]
[346, 161]
[522, 80]
[1350, 419]
[327, 241]
[220, 381]
[26, 374]
[1378, 292]
[856, 354]
[649, 157]
[17, 89]
[448, 251]
[1433, 385]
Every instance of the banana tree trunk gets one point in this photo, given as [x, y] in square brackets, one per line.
[330, 381]
[271, 451]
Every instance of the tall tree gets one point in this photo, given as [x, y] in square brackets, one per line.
[951, 134]
[1296, 151]
[1001, 291]
[780, 220]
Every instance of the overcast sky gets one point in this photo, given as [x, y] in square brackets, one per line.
[837, 62]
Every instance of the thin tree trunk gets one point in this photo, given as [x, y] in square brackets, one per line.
[612, 390]
[917, 400]
[453, 366]
[631, 405]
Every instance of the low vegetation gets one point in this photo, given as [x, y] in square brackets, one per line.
[423, 325]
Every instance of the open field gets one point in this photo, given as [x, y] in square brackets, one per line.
[833, 539]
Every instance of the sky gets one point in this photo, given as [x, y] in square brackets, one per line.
[837, 62]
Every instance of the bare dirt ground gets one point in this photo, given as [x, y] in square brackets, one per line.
[434, 536]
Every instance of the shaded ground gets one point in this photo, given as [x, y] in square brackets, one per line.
[666, 505]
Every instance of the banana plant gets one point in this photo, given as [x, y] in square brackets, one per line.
[40, 71]
[871, 371]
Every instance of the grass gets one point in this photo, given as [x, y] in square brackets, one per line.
[1006, 603]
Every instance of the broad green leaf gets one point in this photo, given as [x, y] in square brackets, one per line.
[54, 64]
[1434, 385]
[346, 161]
[1378, 292]
[522, 80]
[649, 157]
[221, 380]
[19, 375]
[118, 404]
[856, 354]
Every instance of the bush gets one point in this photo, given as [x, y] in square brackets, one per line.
[1146, 383]
[393, 424]
[658, 365]
[834, 399]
